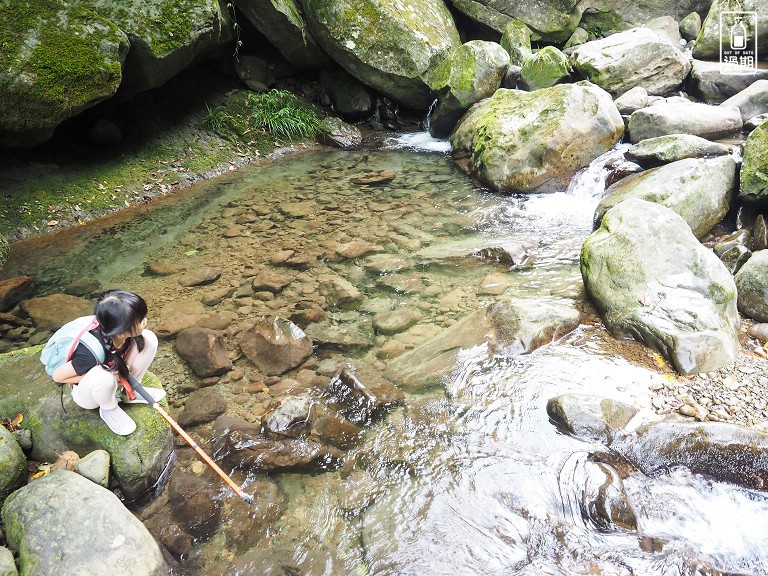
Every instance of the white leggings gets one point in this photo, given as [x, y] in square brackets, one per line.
[98, 386]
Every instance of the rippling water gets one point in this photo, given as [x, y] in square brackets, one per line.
[470, 479]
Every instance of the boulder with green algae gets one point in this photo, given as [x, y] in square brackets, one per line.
[4, 249]
[283, 25]
[602, 17]
[137, 459]
[516, 40]
[754, 168]
[472, 72]
[518, 141]
[544, 69]
[707, 46]
[13, 464]
[549, 21]
[166, 36]
[57, 58]
[390, 45]
[752, 284]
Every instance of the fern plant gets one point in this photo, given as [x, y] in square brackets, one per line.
[280, 113]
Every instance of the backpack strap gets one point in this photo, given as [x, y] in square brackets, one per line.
[89, 340]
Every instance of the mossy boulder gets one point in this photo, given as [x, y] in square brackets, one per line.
[390, 46]
[752, 284]
[707, 46]
[472, 72]
[137, 459]
[699, 190]
[516, 40]
[518, 141]
[13, 464]
[601, 17]
[637, 57]
[63, 523]
[652, 280]
[57, 58]
[552, 21]
[544, 69]
[283, 25]
[166, 36]
[754, 169]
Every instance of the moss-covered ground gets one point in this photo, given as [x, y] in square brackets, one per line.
[169, 142]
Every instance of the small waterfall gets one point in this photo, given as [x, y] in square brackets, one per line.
[589, 183]
[426, 123]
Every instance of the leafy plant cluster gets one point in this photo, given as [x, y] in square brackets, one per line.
[277, 112]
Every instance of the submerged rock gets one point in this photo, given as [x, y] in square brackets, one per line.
[535, 142]
[101, 536]
[204, 350]
[363, 392]
[275, 345]
[724, 452]
[590, 417]
[651, 279]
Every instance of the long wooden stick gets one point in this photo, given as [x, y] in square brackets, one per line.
[207, 459]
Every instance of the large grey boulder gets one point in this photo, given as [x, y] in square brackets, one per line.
[389, 46]
[725, 452]
[651, 279]
[707, 45]
[611, 15]
[674, 147]
[751, 101]
[708, 83]
[165, 36]
[683, 118]
[699, 190]
[637, 57]
[63, 523]
[549, 21]
[13, 464]
[753, 186]
[283, 25]
[57, 60]
[349, 97]
[752, 284]
[518, 141]
[471, 72]
[137, 460]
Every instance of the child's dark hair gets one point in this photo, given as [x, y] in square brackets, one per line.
[119, 311]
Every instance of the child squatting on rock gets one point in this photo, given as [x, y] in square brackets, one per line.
[119, 326]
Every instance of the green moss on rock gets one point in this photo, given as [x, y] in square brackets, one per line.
[56, 59]
[544, 69]
[754, 169]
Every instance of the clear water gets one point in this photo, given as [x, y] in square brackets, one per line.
[468, 479]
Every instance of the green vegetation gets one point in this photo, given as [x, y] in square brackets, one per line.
[277, 113]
